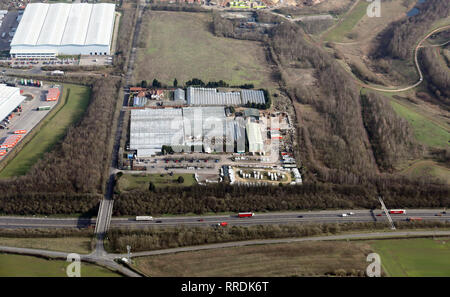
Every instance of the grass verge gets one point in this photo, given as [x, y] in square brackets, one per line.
[27, 266]
[75, 101]
[128, 182]
[425, 131]
[80, 245]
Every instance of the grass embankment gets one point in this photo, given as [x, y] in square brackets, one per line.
[348, 22]
[428, 168]
[27, 266]
[80, 245]
[181, 45]
[425, 131]
[129, 182]
[414, 257]
[75, 101]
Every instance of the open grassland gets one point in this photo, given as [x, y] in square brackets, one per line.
[349, 21]
[425, 131]
[129, 182]
[294, 259]
[181, 45]
[414, 257]
[27, 266]
[428, 168]
[75, 101]
[80, 245]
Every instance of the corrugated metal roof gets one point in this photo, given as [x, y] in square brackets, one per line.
[253, 96]
[179, 94]
[153, 128]
[65, 24]
[255, 141]
[10, 98]
[77, 24]
[150, 129]
[210, 96]
[101, 24]
[51, 34]
[30, 25]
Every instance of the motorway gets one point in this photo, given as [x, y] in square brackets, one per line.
[199, 221]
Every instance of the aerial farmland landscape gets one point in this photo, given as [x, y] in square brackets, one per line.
[208, 143]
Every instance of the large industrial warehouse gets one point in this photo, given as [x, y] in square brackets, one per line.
[211, 96]
[10, 98]
[48, 30]
[184, 129]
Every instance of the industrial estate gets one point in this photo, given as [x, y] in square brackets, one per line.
[139, 134]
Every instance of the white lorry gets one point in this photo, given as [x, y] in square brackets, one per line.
[144, 218]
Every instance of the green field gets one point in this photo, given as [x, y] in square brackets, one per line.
[414, 257]
[428, 168]
[129, 182]
[27, 266]
[76, 100]
[80, 245]
[425, 131]
[181, 45]
[349, 21]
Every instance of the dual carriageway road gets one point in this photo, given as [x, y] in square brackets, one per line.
[333, 216]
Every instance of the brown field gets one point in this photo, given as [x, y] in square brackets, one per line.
[295, 259]
[81, 245]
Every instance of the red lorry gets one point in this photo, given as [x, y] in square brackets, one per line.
[245, 214]
[397, 211]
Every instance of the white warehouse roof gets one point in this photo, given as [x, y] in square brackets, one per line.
[10, 98]
[64, 25]
[255, 140]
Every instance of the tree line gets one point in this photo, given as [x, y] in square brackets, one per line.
[155, 238]
[396, 192]
[391, 136]
[437, 75]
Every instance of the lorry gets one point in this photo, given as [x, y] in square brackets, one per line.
[144, 218]
[245, 214]
[411, 219]
[20, 132]
[222, 224]
[44, 108]
[397, 211]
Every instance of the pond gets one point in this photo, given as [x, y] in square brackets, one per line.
[415, 10]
